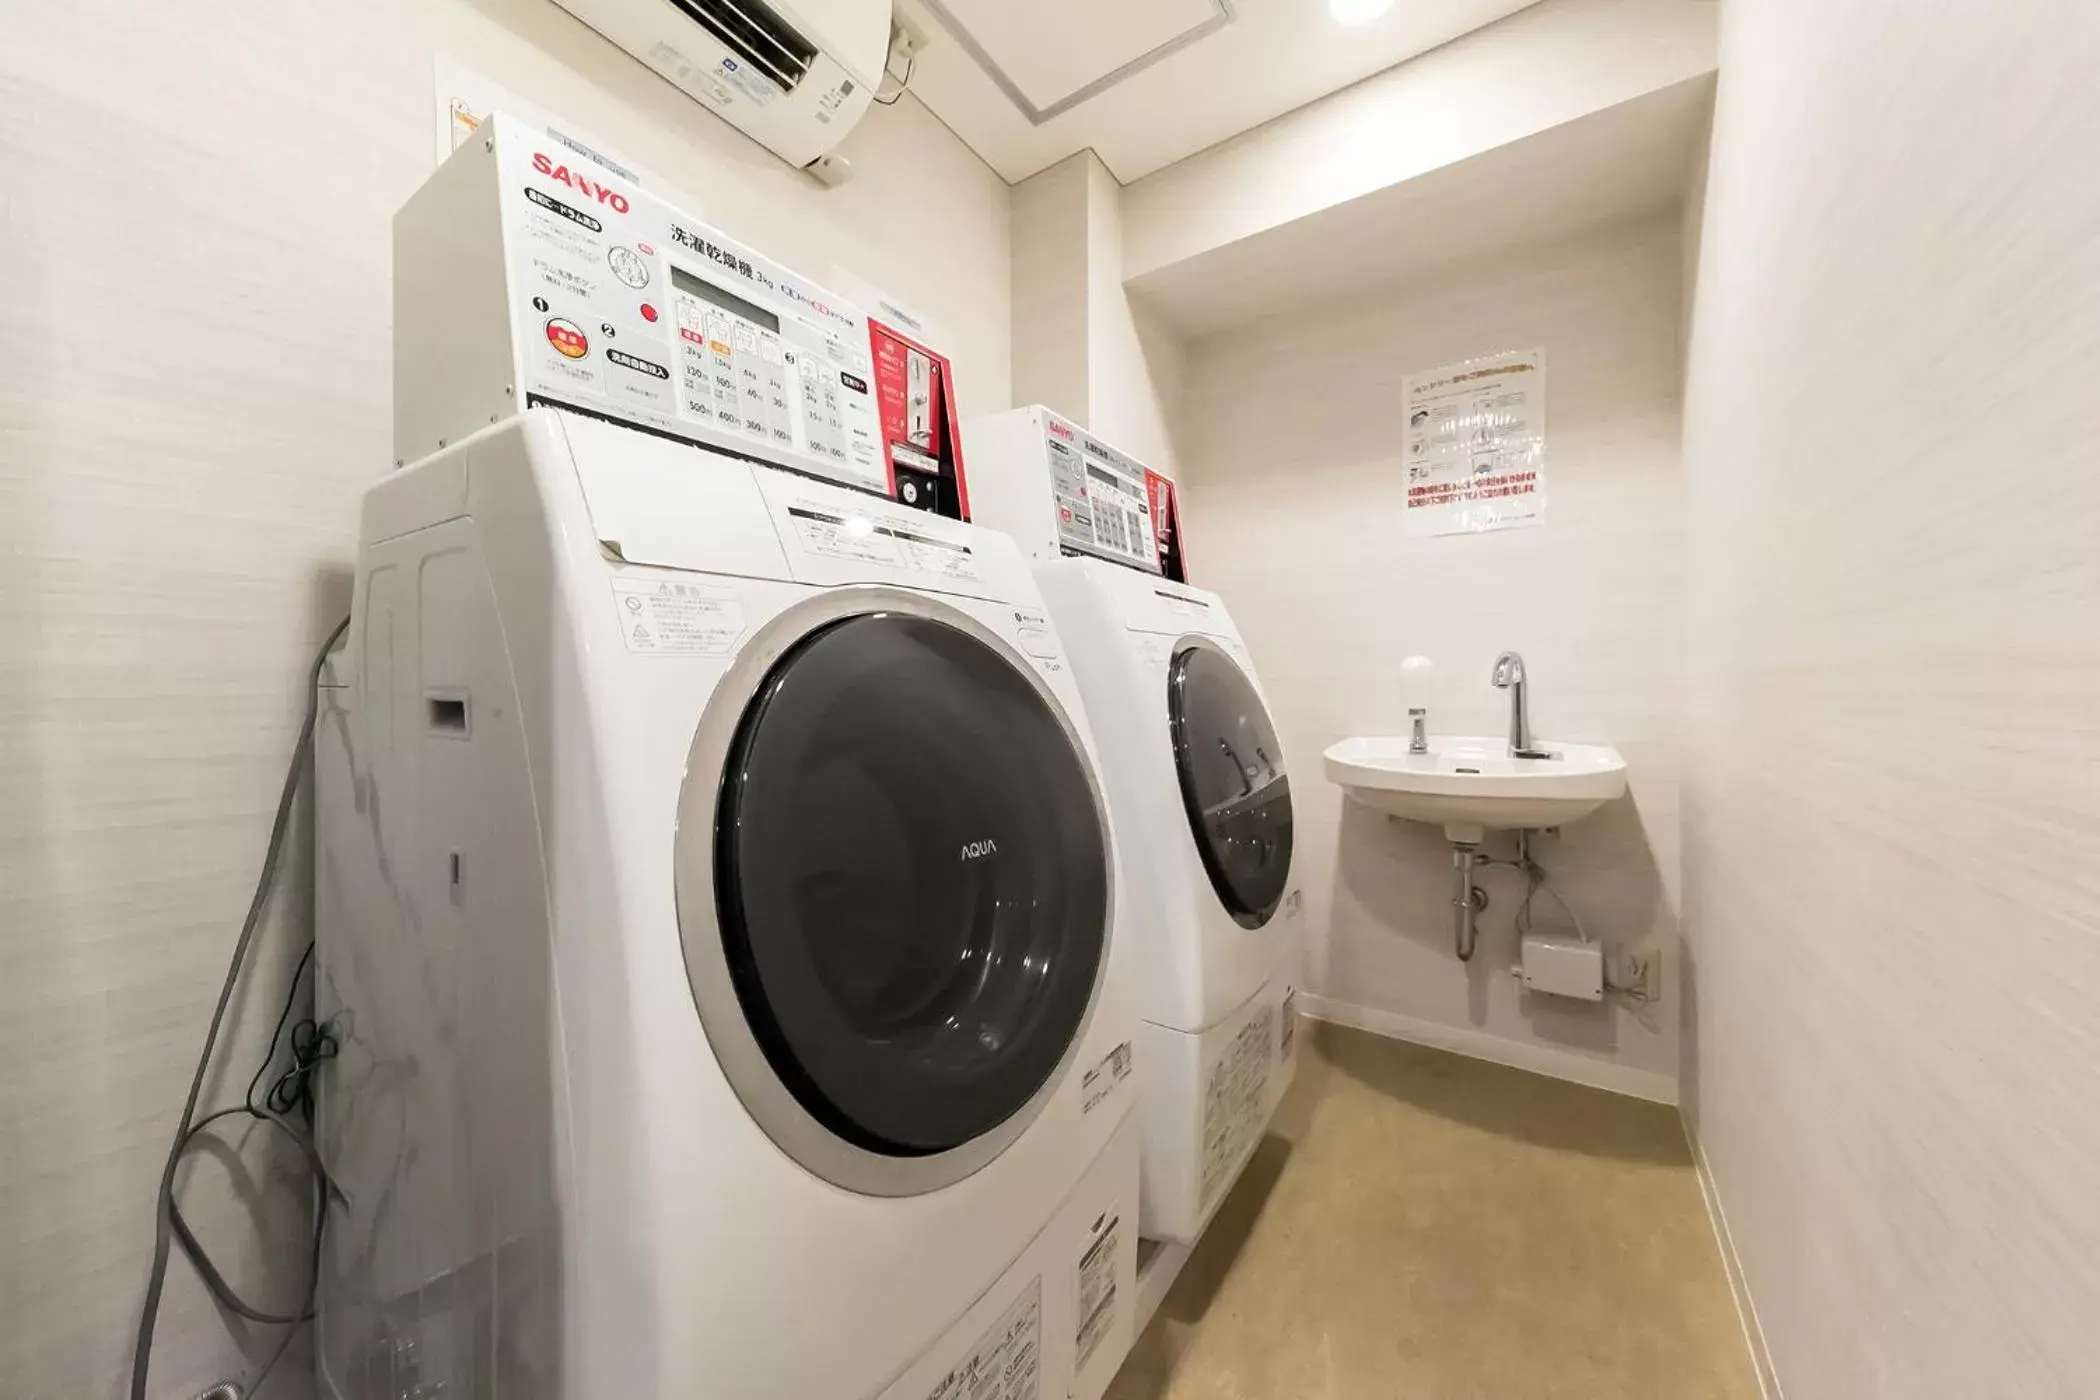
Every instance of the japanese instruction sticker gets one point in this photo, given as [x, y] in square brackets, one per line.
[675, 617]
[1475, 445]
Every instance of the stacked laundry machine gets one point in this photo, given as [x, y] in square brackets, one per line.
[1197, 785]
[724, 903]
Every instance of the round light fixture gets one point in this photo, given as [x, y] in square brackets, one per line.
[1355, 12]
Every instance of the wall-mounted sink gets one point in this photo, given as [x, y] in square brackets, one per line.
[1469, 785]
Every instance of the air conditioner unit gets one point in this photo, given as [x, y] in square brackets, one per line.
[794, 75]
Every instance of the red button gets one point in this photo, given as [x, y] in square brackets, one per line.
[648, 313]
[567, 338]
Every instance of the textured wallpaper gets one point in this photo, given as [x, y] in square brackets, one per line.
[1892, 760]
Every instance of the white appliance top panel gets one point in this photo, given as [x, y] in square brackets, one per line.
[1151, 604]
[656, 501]
[833, 536]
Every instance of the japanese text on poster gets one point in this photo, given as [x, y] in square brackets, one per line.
[1476, 445]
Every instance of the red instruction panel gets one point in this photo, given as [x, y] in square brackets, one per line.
[1166, 526]
[921, 437]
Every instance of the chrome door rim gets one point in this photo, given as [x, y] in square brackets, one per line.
[769, 1101]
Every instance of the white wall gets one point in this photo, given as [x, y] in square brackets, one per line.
[1080, 345]
[1294, 484]
[1052, 288]
[194, 387]
[1544, 66]
[1135, 367]
[1892, 857]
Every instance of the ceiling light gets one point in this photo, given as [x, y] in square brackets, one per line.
[1355, 12]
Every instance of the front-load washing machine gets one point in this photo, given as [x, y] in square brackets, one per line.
[1197, 783]
[717, 911]
[1196, 776]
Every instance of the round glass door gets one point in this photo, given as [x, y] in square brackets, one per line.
[910, 887]
[1233, 782]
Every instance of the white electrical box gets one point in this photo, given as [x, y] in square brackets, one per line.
[1563, 967]
[528, 272]
[1058, 490]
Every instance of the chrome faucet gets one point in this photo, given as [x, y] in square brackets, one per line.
[1509, 675]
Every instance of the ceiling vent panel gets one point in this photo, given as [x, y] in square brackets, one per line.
[1049, 58]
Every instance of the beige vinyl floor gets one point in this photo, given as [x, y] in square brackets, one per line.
[1419, 1226]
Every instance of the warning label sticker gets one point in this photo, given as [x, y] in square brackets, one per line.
[1101, 1080]
[677, 617]
[1007, 1362]
[1097, 1286]
[1234, 1100]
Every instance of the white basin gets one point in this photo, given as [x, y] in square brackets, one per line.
[1469, 785]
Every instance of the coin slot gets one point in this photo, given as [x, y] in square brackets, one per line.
[448, 714]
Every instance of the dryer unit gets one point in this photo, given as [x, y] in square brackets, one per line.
[1197, 782]
[720, 921]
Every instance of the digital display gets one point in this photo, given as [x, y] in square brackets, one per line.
[735, 305]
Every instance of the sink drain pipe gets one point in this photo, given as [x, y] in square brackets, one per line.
[1467, 898]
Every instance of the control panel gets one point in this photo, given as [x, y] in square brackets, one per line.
[1102, 505]
[780, 384]
[531, 271]
[1059, 489]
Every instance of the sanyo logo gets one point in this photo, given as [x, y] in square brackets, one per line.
[978, 850]
[582, 183]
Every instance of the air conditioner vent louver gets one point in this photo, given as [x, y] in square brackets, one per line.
[750, 30]
[793, 75]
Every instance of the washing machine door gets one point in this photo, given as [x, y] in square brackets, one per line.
[893, 888]
[1233, 782]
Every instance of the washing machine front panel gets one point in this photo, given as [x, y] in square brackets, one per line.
[1234, 786]
[893, 888]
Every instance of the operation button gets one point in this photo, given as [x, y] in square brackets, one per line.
[567, 338]
[1036, 642]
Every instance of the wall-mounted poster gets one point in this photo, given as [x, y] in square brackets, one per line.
[1476, 445]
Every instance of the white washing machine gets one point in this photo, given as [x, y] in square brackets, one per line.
[1197, 783]
[719, 919]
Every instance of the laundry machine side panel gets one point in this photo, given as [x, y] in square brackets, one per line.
[441, 1266]
[555, 609]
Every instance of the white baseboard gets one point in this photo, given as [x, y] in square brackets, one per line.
[1539, 1059]
[1738, 1282]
